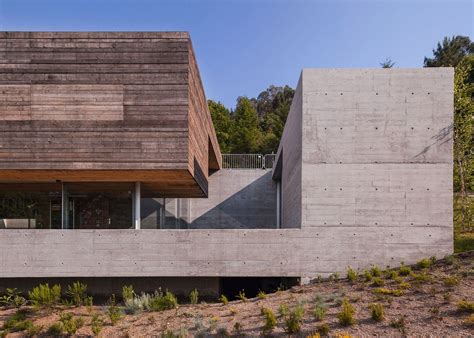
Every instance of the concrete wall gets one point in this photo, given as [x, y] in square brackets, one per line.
[238, 199]
[290, 153]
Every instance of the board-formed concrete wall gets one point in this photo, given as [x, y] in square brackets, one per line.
[238, 199]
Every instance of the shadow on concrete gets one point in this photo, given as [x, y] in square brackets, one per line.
[253, 207]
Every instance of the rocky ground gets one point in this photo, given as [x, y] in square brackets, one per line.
[424, 303]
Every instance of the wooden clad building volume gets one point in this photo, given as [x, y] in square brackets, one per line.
[105, 107]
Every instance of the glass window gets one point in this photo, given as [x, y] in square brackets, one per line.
[30, 206]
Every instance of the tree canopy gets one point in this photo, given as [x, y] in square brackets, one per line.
[256, 124]
[450, 52]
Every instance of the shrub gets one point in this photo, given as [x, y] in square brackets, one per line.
[223, 299]
[388, 292]
[33, 330]
[346, 316]
[237, 328]
[113, 311]
[421, 277]
[137, 303]
[213, 323]
[469, 321]
[392, 274]
[404, 285]
[449, 259]
[451, 281]
[399, 324]
[351, 274]
[367, 276]
[241, 296]
[377, 281]
[161, 302]
[127, 292]
[376, 312]
[319, 311]
[44, 296]
[404, 270]
[283, 310]
[424, 263]
[334, 276]
[194, 296]
[261, 295]
[77, 293]
[466, 306]
[270, 321]
[17, 322]
[323, 329]
[12, 298]
[294, 320]
[55, 330]
[69, 323]
[375, 271]
[96, 324]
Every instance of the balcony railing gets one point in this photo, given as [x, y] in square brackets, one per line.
[247, 161]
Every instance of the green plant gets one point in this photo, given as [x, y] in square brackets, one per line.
[194, 296]
[55, 330]
[451, 281]
[367, 276]
[404, 285]
[77, 293]
[127, 292]
[323, 329]
[161, 302]
[213, 323]
[283, 310]
[319, 311]
[69, 323]
[270, 320]
[421, 277]
[241, 296]
[388, 292]
[113, 311]
[237, 328]
[392, 274]
[377, 281]
[294, 319]
[466, 306]
[399, 324]
[17, 322]
[12, 298]
[404, 270]
[346, 316]
[351, 274]
[449, 259]
[96, 323]
[261, 295]
[223, 299]
[44, 296]
[376, 312]
[375, 271]
[33, 330]
[424, 263]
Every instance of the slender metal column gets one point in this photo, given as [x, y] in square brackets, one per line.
[137, 196]
[278, 206]
[64, 207]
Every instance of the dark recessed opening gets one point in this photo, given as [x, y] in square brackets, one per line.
[231, 286]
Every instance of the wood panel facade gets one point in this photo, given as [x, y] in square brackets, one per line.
[106, 106]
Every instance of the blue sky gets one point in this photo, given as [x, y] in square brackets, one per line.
[244, 46]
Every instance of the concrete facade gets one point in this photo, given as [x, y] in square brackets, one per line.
[365, 164]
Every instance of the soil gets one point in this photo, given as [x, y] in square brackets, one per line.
[426, 308]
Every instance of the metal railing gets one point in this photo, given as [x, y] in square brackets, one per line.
[247, 161]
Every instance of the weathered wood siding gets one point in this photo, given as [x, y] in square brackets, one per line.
[101, 101]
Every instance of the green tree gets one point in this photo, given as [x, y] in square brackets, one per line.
[388, 63]
[222, 123]
[463, 149]
[246, 135]
[450, 52]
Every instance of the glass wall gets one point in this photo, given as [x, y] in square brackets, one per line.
[30, 206]
[98, 205]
